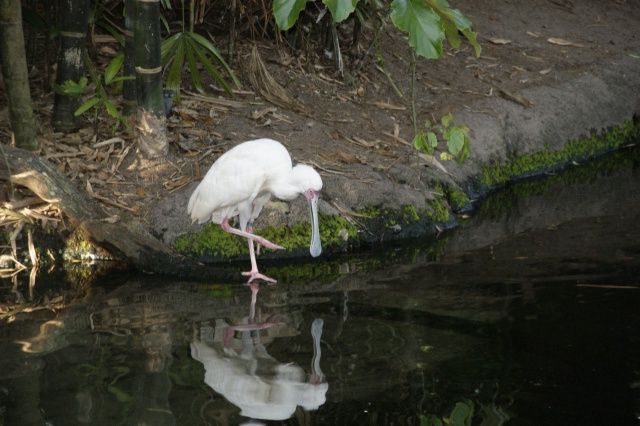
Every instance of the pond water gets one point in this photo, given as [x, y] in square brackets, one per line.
[528, 314]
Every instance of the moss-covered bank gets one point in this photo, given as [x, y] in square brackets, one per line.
[338, 234]
[374, 224]
[575, 151]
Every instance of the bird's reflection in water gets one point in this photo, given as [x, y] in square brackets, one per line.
[243, 372]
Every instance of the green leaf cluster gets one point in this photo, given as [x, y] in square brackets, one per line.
[76, 90]
[189, 48]
[428, 22]
[456, 137]
[71, 88]
[101, 98]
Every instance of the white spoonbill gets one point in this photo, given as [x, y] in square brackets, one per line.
[241, 182]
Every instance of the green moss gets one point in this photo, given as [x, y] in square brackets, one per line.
[577, 150]
[457, 198]
[440, 213]
[371, 212]
[587, 172]
[336, 232]
[410, 213]
[333, 228]
[212, 241]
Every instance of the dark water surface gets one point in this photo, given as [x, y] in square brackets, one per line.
[529, 313]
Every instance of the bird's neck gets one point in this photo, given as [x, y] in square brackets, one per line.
[285, 189]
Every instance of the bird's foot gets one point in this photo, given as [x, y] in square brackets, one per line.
[266, 243]
[257, 275]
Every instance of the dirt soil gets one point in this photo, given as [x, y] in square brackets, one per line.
[550, 71]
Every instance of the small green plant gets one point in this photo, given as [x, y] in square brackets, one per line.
[456, 137]
[188, 47]
[76, 90]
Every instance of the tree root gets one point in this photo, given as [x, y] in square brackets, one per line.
[122, 239]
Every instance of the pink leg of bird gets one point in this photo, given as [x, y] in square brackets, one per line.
[258, 239]
[253, 274]
[254, 264]
[250, 230]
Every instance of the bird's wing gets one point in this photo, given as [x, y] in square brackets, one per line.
[230, 186]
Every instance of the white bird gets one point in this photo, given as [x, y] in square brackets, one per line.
[241, 182]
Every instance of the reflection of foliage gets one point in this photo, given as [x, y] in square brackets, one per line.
[461, 415]
[110, 373]
[186, 371]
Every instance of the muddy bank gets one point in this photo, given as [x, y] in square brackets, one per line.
[566, 125]
[551, 82]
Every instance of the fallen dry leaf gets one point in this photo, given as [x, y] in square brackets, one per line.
[259, 114]
[344, 157]
[177, 183]
[384, 105]
[110, 219]
[561, 42]
[499, 41]
[431, 161]
[515, 98]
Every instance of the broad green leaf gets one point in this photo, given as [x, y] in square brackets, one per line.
[451, 32]
[286, 12]
[441, 7]
[465, 152]
[340, 9]
[453, 18]
[113, 68]
[422, 24]
[455, 140]
[433, 141]
[419, 142]
[473, 39]
[87, 105]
